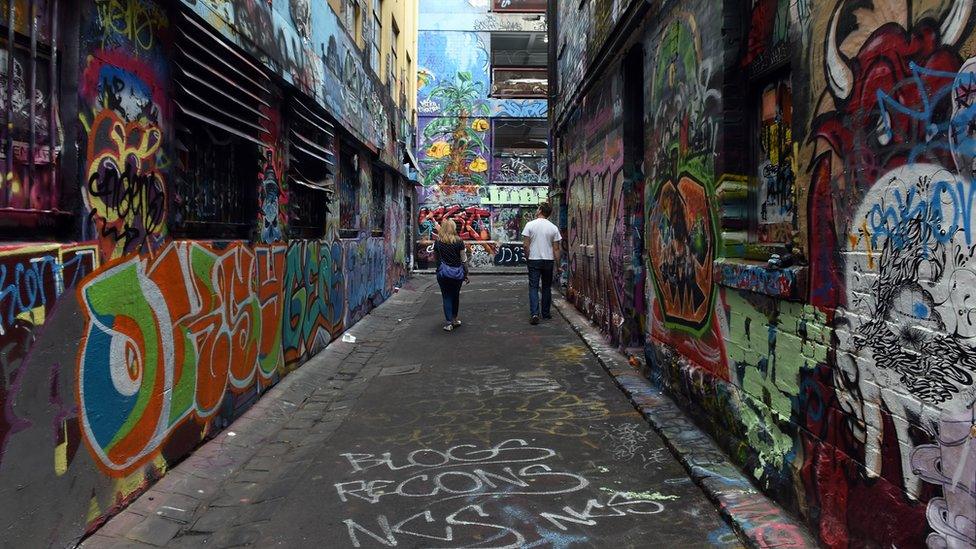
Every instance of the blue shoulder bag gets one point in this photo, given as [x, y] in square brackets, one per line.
[454, 273]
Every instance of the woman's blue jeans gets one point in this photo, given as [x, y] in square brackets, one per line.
[451, 293]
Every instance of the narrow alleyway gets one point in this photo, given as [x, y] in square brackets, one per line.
[501, 434]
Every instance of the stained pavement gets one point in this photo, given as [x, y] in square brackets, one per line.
[499, 434]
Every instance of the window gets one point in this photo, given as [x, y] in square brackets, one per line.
[518, 64]
[377, 210]
[349, 8]
[519, 6]
[409, 80]
[774, 188]
[31, 149]
[520, 150]
[220, 96]
[359, 24]
[210, 199]
[311, 168]
[348, 194]
[391, 62]
[374, 58]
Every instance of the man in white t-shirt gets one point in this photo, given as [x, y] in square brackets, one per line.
[541, 239]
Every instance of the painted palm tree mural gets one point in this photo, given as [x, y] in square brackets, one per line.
[455, 142]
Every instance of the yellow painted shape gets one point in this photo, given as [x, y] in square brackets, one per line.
[61, 453]
[94, 510]
[35, 316]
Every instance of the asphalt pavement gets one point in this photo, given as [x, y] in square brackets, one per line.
[499, 434]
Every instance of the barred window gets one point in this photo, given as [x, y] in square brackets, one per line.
[221, 128]
[31, 143]
[348, 194]
[311, 168]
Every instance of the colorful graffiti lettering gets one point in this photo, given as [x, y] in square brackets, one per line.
[32, 281]
[136, 22]
[510, 254]
[315, 290]
[125, 192]
[154, 358]
[365, 274]
[472, 222]
[125, 156]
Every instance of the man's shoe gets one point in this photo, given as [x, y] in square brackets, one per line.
[535, 320]
[546, 317]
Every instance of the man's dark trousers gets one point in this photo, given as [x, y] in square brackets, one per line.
[540, 270]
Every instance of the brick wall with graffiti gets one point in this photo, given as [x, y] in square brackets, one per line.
[808, 189]
[122, 351]
[474, 171]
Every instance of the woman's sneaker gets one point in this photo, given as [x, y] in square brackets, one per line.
[448, 327]
[457, 323]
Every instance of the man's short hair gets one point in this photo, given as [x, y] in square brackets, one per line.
[545, 208]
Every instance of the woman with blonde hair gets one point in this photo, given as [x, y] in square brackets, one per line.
[452, 270]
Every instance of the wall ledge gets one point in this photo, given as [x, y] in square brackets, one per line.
[754, 276]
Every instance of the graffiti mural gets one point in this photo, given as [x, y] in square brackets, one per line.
[196, 325]
[776, 176]
[272, 193]
[471, 175]
[681, 237]
[365, 275]
[125, 158]
[767, 45]
[313, 303]
[312, 50]
[843, 382]
[122, 349]
[510, 254]
[680, 247]
[32, 280]
[125, 191]
[602, 281]
[520, 169]
[492, 214]
[473, 222]
[455, 148]
[951, 464]
[895, 152]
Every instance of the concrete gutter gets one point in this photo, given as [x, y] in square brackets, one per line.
[758, 520]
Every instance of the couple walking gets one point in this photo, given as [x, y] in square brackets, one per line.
[541, 240]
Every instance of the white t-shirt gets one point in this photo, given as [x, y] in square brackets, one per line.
[542, 233]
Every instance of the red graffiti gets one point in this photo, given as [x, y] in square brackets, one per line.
[472, 222]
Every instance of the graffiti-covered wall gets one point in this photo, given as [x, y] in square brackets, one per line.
[123, 350]
[471, 173]
[603, 280]
[807, 191]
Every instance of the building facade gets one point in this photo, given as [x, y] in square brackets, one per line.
[774, 199]
[482, 135]
[198, 196]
